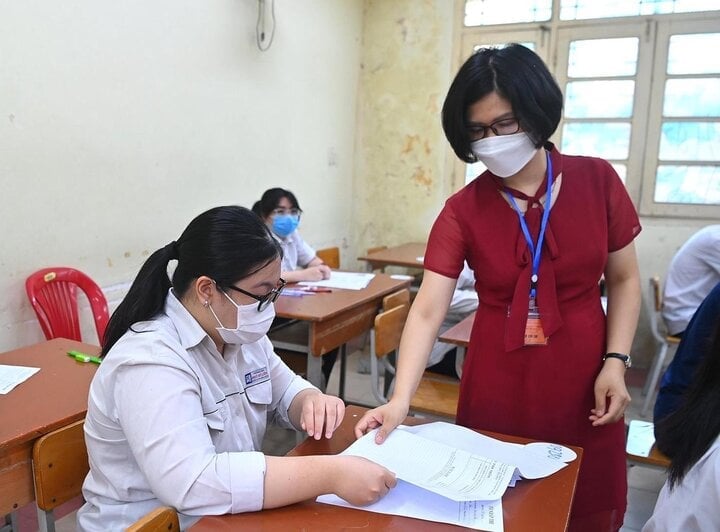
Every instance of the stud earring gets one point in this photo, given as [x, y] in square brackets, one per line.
[206, 304]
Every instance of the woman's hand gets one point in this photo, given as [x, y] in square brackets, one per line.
[362, 482]
[610, 388]
[387, 417]
[320, 411]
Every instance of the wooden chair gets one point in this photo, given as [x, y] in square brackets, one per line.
[396, 299]
[370, 251]
[330, 256]
[60, 465]
[160, 519]
[435, 395]
[665, 343]
[655, 459]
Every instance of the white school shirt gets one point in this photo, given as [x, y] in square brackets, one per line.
[692, 505]
[296, 252]
[693, 273]
[172, 422]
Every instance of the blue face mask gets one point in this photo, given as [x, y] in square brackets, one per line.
[284, 224]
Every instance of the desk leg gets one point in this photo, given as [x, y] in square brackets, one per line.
[343, 364]
[459, 359]
[314, 370]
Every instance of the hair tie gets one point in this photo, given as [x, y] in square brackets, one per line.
[172, 250]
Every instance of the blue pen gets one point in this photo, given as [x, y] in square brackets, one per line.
[295, 293]
[82, 357]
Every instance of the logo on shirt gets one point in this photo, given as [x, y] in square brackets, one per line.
[257, 376]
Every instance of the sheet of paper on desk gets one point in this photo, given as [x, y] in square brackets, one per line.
[412, 501]
[437, 467]
[347, 280]
[641, 437]
[11, 376]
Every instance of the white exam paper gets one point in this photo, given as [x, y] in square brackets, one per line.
[448, 471]
[641, 437]
[412, 501]
[347, 280]
[11, 376]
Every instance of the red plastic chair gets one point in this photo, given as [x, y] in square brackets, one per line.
[53, 296]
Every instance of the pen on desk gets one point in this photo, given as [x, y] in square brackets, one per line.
[295, 293]
[82, 357]
[318, 289]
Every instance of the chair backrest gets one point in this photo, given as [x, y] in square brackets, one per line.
[160, 519]
[60, 464]
[396, 299]
[53, 296]
[388, 330]
[654, 304]
[330, 256]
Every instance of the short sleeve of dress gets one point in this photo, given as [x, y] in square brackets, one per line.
[305, 253]
[445, 253]
[623, 222]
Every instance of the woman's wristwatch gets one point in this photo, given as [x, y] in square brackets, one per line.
[625, 358]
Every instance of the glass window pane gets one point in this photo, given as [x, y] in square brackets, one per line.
[692, 97]
[603, 57]
[487, 12]
[599, 99]
[601, 139]
[690, 141]
[694, 54]
[584, 9]
[688, 184]
[621, 170]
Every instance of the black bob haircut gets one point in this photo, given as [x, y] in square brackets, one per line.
[271, 199]
[515, 73]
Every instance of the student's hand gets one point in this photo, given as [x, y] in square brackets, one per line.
[320, 410]
[317, 273]
[387, 417]
[362, 482]
[611, 395]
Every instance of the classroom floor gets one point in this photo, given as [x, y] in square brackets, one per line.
[644, 482]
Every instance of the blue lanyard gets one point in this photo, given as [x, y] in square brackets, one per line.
[535, 250]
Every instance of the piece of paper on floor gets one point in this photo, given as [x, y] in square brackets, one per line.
[347, 280]
[641, 437]
[11, 376]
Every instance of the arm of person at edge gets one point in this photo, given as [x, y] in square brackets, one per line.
[622, 280]
[315, 270]
[418, 337]
[291, 479]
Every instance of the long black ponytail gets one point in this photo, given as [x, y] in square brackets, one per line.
[225, 243]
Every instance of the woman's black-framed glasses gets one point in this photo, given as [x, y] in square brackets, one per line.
[506, 126]
[264, 301]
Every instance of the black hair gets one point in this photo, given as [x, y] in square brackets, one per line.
[686, 434]
[515, 73]
[271, 199]
[226, 244]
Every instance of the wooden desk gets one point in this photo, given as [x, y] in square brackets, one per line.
[405, 255]
[459, 335]
[542, 504]
[55, 396]
[335, 318]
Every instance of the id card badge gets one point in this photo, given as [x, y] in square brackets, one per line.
[534, 334]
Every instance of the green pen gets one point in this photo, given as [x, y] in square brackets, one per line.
[82, 357]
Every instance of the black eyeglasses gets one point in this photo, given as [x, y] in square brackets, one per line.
[280, 211]
[506, 126]
[264, 301]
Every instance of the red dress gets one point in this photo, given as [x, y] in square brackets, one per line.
[541, 392]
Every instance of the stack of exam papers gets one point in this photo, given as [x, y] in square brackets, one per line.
[460, 484]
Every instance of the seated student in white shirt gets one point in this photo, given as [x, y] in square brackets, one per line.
[690, 436]
[281, 211]
[464, 301]
[178, 408]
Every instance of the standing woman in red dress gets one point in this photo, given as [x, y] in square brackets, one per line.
[539, 229]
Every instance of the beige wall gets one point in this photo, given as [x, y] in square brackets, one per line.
[120, 121]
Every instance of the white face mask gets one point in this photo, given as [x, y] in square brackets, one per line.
[505, 155]
[251, 324]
